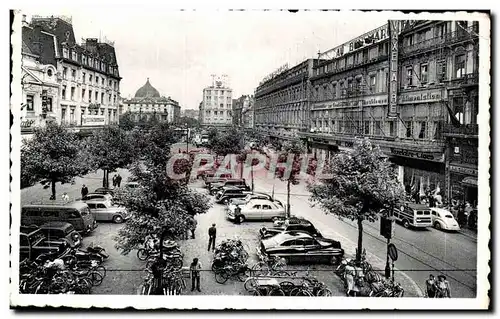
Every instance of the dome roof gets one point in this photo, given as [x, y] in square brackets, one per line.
[147, 90]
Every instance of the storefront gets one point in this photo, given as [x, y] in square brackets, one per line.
[462, 169]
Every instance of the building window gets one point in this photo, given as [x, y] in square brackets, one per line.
[29, 103]
[114, 99]
[378, 129]
[72, 93]
[96, 80]
[367, 128]
[84, 59]
[49, 104]
[73, 74]
[83, 77]
[90, 61]
[391, 128]
[96, 97]
[74, 56]
[424, 75]
[90, 78]
[102, 98]
[422, 130]
[334, 91]
[373, 82]
[63, 92]
[409, 129]
[409, 76]
[65, 72]
[90, 96]
[460, 65]
[65, 53]
[83, 94]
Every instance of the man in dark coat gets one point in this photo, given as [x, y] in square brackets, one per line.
[212, 232]
[85, 190]
[118, 180]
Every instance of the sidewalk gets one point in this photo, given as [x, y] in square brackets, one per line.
[37, 193]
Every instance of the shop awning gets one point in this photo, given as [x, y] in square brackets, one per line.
[470, 181]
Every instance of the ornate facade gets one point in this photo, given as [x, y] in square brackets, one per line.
[73, 84]
[216, 109]
[148, 103]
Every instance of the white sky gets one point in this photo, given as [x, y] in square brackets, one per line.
[179, 51]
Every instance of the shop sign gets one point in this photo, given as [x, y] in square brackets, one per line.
[412, 154]
[421, 96]
[360, 42]
[463, 170]
[365, 101]
[27, 123]
[93, 120]
[393, 69]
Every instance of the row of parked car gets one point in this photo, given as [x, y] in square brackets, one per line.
[55, 227]
[294, 239]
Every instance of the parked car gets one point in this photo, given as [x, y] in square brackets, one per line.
[105, 190]
[240, 183]
[227, 193]
[57, 231]
[256, 209]
[443, 219]
[33, 243]
[254, 195]
[301, 225]
[97, 196]
[105, 210]
[76, 213]
[301, 247]
[209, 180]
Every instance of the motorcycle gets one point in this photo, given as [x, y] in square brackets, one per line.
[169, 247]
[81, 256]
[97, 249]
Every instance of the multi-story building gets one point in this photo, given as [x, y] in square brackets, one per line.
[191, 113]
[216, 108]
[395, 87]
[281, 106]
[241, 108]
[148, 103]
[79, 84]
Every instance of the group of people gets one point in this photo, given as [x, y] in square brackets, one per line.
[117, 180]
[438, 288]
[152, 242]
[466, 214]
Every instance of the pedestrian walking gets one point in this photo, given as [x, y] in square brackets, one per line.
[118, 180]
[462, 218]
[195, 274]
[114, 181]
[193, 227]
[431, 286]
[212, 232]
[443, 287]
[85, 190]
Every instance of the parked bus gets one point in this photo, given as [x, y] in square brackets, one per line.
[413, 215]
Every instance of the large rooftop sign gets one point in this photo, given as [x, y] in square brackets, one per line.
[369, 38]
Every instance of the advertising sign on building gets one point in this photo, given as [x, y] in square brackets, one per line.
[393, 69]
[88, 120]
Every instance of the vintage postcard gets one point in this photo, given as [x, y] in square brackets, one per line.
[250, 159]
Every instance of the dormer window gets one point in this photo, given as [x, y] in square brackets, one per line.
[74, 56]
[65, 53]
[84, 59]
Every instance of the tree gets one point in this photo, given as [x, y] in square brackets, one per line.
[295, 150]
[359, 185]
[126, 122]
[109, 149]
[191, 122]
[53, 155]
[160, 205]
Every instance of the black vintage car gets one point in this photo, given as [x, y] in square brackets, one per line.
[301, 247]
[62, 231]
[302, 225]
[225, 194]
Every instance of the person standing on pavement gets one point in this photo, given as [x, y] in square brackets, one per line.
[118, 180]
[195, 274]
[114, 180]
[431, 286]
[212, 232]
[85, 190]
[65, 197]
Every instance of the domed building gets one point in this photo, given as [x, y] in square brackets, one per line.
[148, 102]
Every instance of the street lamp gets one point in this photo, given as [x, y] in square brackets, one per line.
[187, 139]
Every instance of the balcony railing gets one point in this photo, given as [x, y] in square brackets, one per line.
[466, 130]
[448, 38]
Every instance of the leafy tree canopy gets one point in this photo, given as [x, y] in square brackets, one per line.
[110, 148]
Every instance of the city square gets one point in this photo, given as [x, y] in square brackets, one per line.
[351, 172]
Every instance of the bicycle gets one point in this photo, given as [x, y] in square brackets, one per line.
[269, 266]
[241, 271]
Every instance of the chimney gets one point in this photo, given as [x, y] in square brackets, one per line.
[24, 21]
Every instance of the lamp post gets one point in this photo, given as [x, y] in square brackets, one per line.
[187, 139]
